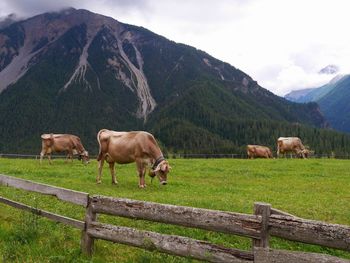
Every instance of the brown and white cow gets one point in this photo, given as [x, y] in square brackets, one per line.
[291, 145]
[68, 143]
[127, 147]
[258, 151]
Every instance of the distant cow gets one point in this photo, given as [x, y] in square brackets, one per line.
[291, 145]
[68, 143]
[258, 151]
[128, 147]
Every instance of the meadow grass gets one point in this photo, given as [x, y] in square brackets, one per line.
[315, 189]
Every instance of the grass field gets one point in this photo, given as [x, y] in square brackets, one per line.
[316, 189]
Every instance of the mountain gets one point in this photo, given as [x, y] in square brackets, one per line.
[298, 95]
[329, 69]
[8, 20]
[333, 99]
[335, 105]
[78, 72]
[313, 94]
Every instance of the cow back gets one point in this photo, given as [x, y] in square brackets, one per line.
[126, 147]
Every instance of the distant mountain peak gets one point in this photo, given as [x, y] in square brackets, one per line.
[329, 70]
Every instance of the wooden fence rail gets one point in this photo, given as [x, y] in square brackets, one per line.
[75, 197]
[311, 232]
[171, 244]
[265, 222]
[57, 218]
[219, 221]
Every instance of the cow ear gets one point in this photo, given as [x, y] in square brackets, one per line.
[163, 167]
[166, 167]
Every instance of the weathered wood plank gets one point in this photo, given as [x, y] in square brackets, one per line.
[275, 211]
[54, 217]
[170, 244]
[310, 231]
[87, 241]
[265, 255]
[75, 197]
[220, 221]
[263, 210]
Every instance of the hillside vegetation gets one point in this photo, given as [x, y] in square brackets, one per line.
[83, 72]
[313, 189]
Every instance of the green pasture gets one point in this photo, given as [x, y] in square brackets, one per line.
[317, 189]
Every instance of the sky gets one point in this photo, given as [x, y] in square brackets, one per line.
[283, 44]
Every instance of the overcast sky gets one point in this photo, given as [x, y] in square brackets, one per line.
[282, 44]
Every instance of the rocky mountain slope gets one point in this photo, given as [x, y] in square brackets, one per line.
[77, 72]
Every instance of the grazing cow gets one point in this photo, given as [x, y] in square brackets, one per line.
[63, 143]
[258, 151]
[291, 145]
[128, 147]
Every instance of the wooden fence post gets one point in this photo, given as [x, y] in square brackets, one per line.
[87, 242]
[263, 210]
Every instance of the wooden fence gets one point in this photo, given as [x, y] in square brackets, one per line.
[265, 222]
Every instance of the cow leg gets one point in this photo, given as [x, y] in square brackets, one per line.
[111, 167]
[49, 157]
[42, 154]
[141, 169]
[69, 156]
[100, 166]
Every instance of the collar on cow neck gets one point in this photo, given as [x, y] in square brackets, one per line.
[158, 161]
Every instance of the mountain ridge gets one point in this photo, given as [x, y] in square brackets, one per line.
[313, 94]
[84, 71]
[333, 99]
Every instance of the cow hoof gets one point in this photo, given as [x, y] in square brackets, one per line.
[115, 182]
[98, 182]
[142, 186]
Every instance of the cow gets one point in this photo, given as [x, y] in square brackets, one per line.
[291, 145]
[258, 151]
[127, 147]
[68, 143]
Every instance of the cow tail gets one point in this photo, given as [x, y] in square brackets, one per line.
[51, 139]
[99, 156]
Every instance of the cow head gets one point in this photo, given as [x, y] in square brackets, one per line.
[161, 171]
[84, 156]
[306, 153]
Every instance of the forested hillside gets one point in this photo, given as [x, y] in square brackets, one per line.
[78, 72]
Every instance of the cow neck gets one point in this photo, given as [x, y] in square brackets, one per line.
[157, 162]
[80, 149]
